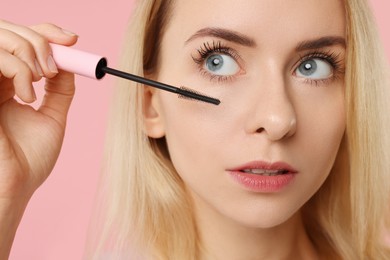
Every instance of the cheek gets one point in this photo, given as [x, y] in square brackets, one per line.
[197, 136]
[319, 134]
[191, 128]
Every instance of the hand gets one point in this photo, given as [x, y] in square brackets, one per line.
[30, 140]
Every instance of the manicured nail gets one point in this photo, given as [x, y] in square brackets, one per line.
[69, 32]
[39, 69]
[51, 64]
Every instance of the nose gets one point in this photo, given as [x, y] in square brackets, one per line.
[274, 114]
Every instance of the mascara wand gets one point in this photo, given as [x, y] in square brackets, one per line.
[95, 66]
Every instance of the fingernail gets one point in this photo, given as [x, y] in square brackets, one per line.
[51, 64]
[39, 69]
[34, 95]
[69, 32]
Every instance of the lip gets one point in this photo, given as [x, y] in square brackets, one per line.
[262, 183]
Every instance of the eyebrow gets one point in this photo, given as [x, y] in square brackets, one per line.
[236, 37]
[321, 43]
[225, 34]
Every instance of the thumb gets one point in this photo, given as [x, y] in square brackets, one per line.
[59, 92]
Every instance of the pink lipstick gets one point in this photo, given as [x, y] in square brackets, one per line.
[259, 176]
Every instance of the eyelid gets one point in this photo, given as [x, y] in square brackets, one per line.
[209, 48]
[331, 57]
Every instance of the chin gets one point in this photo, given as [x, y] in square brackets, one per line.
[265, 219]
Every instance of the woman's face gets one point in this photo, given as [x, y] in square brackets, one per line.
[277, 67]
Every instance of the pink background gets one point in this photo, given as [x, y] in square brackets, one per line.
[56, 220]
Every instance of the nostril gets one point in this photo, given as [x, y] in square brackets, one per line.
[260, 130]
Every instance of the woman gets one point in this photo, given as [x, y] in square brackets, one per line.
[291, 165]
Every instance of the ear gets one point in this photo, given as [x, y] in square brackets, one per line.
[153, 120]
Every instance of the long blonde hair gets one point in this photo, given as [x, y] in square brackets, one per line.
[144, 210]
[346, 217]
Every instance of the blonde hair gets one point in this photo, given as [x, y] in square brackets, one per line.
[347, 214]
[146, 212]
[144, 208]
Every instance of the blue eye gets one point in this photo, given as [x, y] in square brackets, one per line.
[315, 68]
[222, 65]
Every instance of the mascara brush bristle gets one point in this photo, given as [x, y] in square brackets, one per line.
[191, 94]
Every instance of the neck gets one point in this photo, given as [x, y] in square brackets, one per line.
[226, 239]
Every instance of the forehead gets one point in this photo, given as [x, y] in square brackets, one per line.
[267, 21]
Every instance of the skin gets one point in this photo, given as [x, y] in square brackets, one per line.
[30, 139]
[268, 113]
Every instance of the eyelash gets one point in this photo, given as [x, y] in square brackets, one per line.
[331, 57]
[207, 49]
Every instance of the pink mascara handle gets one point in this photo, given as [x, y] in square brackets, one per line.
[79, 62]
